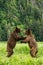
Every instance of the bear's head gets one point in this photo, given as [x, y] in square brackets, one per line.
[28, 32]
[17, 30]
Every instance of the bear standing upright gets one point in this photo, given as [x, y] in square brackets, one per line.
[31, 42]
[14, 37]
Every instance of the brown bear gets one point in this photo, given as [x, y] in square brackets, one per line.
[31, 42]
[14, 37]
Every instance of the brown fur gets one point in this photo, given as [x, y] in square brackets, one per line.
[14, 37]
[31, 42]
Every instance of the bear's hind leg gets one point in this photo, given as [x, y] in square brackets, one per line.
[10, 52]
[32, 52]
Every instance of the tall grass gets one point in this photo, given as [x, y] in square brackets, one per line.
[21, 55]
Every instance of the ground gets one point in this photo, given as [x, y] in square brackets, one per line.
[21, 55]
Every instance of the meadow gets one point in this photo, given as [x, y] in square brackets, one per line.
[21, 55]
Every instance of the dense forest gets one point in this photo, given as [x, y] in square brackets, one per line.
[23, 14]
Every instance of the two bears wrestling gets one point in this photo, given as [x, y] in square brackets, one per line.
[14, 37]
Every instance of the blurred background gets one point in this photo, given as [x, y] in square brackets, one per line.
[23, 14]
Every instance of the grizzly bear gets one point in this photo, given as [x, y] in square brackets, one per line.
[31, 42]
[14, 37]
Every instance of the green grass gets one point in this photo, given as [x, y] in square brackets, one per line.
[21, 55]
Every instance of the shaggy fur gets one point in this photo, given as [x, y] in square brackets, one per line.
[31, 42]
[14, 37]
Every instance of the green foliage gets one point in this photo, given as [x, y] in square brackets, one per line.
[21, 55]
[27, 13]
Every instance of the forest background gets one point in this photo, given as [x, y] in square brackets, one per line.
[23, 14]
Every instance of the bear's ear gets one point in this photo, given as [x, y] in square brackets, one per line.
[28, 29]
[16, 27]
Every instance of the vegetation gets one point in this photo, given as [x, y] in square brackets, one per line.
[21, 55]
[21, 13]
